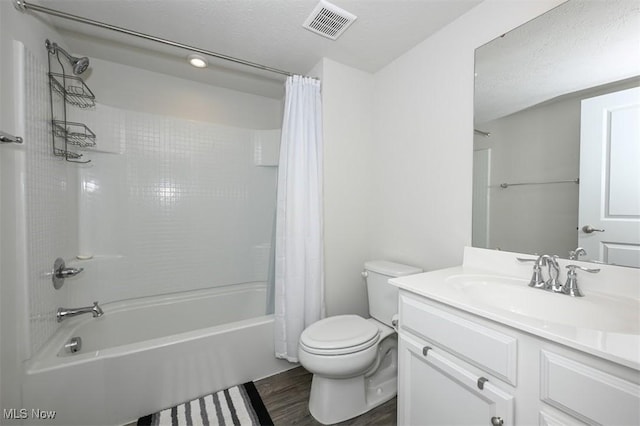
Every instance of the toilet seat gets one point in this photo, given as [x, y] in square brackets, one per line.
[339, 335]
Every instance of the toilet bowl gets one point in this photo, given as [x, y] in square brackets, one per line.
[354, 360]
[339, 347]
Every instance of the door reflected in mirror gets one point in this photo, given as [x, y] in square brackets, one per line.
[557, 140]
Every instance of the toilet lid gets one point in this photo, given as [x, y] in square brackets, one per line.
[340, 334]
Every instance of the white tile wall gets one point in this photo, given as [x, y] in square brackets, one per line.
[51, 206]
[166, 205]
[266, 147]
[170, 205]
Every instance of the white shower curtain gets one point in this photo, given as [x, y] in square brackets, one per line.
[299, 276]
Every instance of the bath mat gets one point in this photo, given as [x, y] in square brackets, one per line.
[239, 406]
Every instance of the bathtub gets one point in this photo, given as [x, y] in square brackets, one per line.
[148, 354]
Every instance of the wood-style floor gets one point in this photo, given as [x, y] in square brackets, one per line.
[286, 396]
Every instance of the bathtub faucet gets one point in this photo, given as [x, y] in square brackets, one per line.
[95, 310]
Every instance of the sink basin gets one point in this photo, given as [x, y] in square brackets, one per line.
[513, 297]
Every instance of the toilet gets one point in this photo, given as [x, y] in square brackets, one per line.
[354, 360]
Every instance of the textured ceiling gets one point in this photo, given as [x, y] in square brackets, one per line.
[268, 32]
[578, 45]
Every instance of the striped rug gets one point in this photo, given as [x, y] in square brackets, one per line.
[239, 406]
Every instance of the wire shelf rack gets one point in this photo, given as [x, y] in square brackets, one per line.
[76, 134]
[69, 155]
[74, 90]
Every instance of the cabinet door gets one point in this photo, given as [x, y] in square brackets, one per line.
[434, 390]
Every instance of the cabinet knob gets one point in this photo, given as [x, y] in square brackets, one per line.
[481, 382]
[426, 350]
[497, 421]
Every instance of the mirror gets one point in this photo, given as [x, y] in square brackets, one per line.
[529, 191]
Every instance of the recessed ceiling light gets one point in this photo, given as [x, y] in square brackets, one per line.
[197, 61]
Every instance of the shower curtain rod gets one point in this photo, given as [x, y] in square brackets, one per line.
[24, 6]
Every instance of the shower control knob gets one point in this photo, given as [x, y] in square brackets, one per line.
[60, 272]
[68, 272]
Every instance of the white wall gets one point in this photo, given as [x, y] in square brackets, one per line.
[347, 96]
[37, 206]
[422, 146]
[51, 205]
[136, 89]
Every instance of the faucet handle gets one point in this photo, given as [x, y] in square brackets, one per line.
[536, 279]
[571, 286]
[572, 268]
[96, 311]
[60, 272]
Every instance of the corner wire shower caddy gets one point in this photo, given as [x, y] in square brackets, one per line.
[75, 92]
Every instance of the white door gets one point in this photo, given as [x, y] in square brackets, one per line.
[609, 211]
[434, 390]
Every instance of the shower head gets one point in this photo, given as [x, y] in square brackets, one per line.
[78, 65]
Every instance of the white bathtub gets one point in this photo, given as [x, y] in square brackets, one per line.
[148, 354]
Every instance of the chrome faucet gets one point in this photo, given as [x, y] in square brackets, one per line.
[537, 281]
[570, 287]
[575, 254]
[95, 310]
[553, 284]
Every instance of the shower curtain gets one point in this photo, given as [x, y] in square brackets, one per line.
[299, 276]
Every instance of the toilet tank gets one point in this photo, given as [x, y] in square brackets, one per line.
[383, 297]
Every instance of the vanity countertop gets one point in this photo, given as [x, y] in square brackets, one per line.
[604, 324]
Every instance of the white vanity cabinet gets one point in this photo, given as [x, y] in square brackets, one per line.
[448, 367]
[457, 368]
[437, 390]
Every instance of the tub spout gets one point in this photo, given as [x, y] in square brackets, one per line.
[95, 310]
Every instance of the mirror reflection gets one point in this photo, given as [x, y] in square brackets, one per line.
[557, 135]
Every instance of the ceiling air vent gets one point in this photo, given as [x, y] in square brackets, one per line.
[329, 20]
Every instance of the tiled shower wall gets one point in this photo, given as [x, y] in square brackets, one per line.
[51, 204]
[166, 205]
[170, 205]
